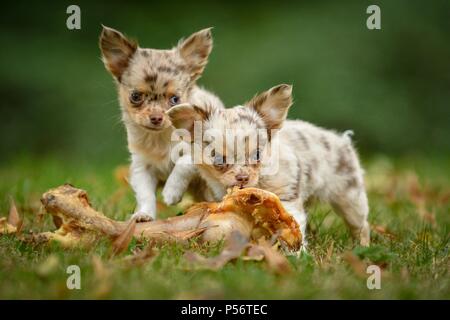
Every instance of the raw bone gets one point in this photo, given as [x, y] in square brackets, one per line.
[255, 213]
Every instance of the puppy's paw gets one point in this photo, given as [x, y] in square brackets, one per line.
[171, 196]
[142, 216]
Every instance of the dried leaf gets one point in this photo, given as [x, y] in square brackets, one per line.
[14, 217]
[383, 231]
[419, 197]
[121, 243]
[276, 261]
[358, 266]
[142, 256]
[102, 278]
[5, 227]
[235, 245]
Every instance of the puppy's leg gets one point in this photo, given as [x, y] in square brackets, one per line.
[216, 191]
[143, 181]
[299, 214]
[354, 208]
[178, 181]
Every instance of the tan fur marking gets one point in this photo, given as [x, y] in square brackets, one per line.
[325, 143]
[344, 165]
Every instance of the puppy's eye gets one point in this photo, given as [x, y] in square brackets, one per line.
[136, 97]
[174, 100]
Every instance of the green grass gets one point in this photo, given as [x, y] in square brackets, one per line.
[413, 252]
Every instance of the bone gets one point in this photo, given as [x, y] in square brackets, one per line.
[252, 212]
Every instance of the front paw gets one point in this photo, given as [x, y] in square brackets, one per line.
[171, 197]
[142, 216]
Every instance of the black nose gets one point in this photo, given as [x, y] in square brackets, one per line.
[156, 120]
[241, 177]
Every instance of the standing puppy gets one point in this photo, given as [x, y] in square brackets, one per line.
[311, 162]
[149, 82]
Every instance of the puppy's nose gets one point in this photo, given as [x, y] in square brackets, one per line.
[156, 120]
[242, 177]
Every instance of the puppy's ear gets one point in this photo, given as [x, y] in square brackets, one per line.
[184, 115]
[273, 105]
[195, 51]
[117, 51]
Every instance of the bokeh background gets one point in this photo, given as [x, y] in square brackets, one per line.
[391, 86]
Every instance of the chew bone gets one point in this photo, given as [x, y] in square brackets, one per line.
[253, 212]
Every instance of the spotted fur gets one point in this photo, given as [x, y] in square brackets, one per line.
[157, 76]
[313, 162]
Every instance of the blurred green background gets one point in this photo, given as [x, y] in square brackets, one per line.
[391, 86]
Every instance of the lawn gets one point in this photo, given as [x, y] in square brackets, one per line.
[410, 206]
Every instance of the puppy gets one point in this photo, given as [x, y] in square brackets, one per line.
[311, 162]
[149, 82]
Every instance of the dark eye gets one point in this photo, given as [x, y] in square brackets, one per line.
[136, 97]
[174, 100]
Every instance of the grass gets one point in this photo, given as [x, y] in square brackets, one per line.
[410, 206]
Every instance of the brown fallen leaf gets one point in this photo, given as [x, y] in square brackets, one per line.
[358, 266]
[121, 243]
[276, 261]
[5, 227]
[14, 217]
[142, 256]
[383, 231]
[234, 247]
[102, 278]
[418, 196]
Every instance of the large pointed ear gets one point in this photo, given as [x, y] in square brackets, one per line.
[183, 116]
[273, 105]
[195, 51]
[117, 51]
